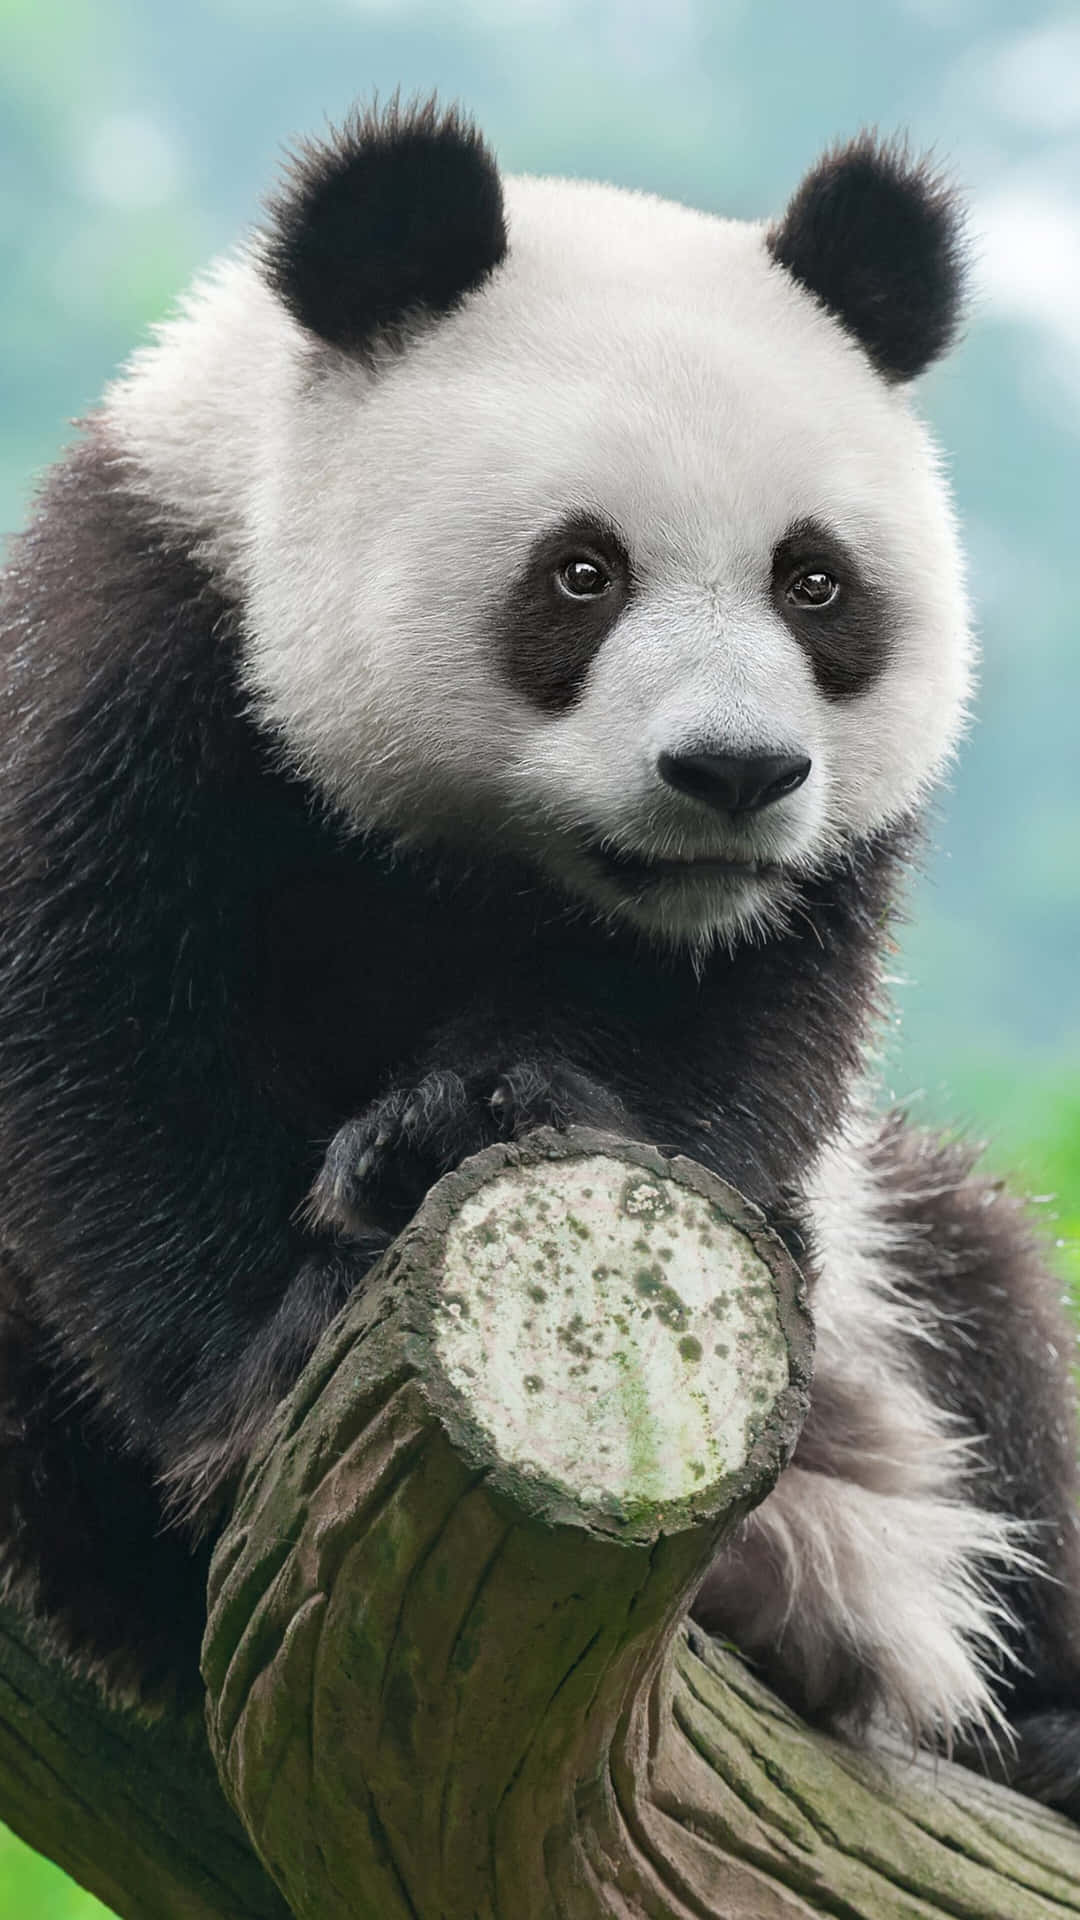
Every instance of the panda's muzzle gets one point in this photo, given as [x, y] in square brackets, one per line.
[734, 783]
[639, 870]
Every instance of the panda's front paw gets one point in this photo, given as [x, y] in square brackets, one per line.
[552, 1093]
[379, 1166]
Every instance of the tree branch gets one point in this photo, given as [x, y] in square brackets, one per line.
[446, 1661]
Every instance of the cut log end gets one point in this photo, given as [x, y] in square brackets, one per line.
[618, 1334]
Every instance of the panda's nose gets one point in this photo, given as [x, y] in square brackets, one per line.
[734, 782]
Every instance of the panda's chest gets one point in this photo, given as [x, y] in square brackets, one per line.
[349, 977]
[358, 966]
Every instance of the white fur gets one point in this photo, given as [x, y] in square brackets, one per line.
[877, 1551]
[630, 356]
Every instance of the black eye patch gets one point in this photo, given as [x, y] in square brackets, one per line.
[560, 609]
[841, 619]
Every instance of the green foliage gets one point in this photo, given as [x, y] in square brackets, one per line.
[33, 1889]
[1049, 1166]
[1030, 1122]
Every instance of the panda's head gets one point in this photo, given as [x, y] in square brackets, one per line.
[600, 530]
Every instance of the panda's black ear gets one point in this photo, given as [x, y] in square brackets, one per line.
[877, 235]
[399, 210]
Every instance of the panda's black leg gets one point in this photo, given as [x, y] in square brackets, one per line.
[80, 1520]
[1044, 1761]
[998, 1354]
[380, 1165]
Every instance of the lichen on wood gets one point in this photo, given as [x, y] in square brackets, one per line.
[614, 1333]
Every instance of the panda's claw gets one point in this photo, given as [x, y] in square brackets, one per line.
[379, 1166]
[502, 1107]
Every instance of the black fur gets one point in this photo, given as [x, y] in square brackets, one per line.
[971, 1259]
[200, 985]
[547, 641]
[398, 213]
[1044, 1759]
[877, 236]
[81, 1520]
[849, 643]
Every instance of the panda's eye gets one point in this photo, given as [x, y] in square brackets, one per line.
[814, 588]
[582, 578]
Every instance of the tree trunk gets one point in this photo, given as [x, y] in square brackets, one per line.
[447, 1668]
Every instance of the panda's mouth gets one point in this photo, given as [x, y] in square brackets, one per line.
[635, 870]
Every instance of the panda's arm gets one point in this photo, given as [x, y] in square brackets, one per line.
[159, 1139]
[151, 1166]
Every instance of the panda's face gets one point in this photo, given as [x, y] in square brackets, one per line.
[632, 564]
[616, 551]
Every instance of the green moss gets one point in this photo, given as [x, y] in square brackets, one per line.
[636, 1409]
[643, 1199]
[650, 1284]
[570, 1337]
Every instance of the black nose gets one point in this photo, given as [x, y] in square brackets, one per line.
[735, 782]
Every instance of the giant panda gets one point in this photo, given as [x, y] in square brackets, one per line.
[485, 664]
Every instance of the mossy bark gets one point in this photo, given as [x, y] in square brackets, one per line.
[131, 1808]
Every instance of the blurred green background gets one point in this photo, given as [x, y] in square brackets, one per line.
[136, 137]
